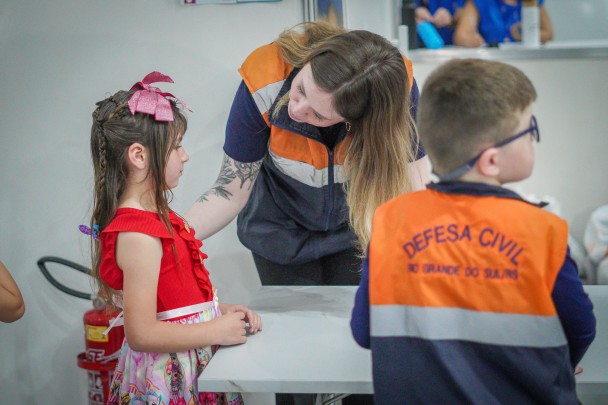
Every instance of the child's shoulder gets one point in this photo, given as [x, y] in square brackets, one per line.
[136, 220]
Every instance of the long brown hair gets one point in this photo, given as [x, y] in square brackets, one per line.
[368, 80]
[114, 130]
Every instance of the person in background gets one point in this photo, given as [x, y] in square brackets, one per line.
[12, 306]
[330, 11]
[490, 22]
[146, 259]
[443, 14]
[465, 283]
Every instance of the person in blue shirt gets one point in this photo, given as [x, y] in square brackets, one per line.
[441, 13]
[330, 11]
[490, 22]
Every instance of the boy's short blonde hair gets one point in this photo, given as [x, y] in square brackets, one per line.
[469, 104]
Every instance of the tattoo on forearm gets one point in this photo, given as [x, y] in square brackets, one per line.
[229, 172]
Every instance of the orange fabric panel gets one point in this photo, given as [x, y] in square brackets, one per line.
[299, 148]
[457, 251]
[410, 70]
[263, 66]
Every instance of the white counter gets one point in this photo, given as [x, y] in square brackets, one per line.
[305, 347]
[574, 49]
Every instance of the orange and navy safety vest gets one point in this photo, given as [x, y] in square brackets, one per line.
[297, 201]
[460, 302]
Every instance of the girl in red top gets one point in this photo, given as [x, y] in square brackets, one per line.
[147, 260]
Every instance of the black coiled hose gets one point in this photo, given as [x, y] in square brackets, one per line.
[42, 265]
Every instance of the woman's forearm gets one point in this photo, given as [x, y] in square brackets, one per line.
[219, 205]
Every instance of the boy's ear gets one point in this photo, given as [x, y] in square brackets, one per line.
[137, 155]
[488, 164]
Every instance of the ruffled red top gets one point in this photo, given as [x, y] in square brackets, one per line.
[183, 281]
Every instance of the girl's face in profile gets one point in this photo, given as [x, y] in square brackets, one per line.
[175, 164]
[310, 104]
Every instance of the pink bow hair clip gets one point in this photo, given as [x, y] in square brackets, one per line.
[150, 100]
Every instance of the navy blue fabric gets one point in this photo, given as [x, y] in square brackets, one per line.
[572, 304]
[359, 320]
[414, 98]
[407, 371]
[246, 131]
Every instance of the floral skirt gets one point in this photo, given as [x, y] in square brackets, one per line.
[166, 378]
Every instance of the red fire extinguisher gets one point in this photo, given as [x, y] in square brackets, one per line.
[101, 349]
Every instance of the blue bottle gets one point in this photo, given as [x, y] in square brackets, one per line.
[429, 35]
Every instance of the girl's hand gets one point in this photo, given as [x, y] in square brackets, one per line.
[230, 328]
[254, 320]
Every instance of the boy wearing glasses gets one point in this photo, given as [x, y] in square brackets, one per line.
[466, 287]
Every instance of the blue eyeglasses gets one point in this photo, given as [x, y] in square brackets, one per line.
[532, 129]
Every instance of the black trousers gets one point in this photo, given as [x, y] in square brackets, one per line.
[343, 268]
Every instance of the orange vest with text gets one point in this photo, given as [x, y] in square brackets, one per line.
[460, 294]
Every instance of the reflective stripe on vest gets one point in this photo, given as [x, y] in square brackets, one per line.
[461, 324]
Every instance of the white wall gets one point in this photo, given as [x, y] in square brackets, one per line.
[578, 19]
[379, 16]
[59, 58]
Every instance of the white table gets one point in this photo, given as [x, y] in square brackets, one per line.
[307, 347]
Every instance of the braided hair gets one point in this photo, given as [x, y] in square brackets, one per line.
[113, 131]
